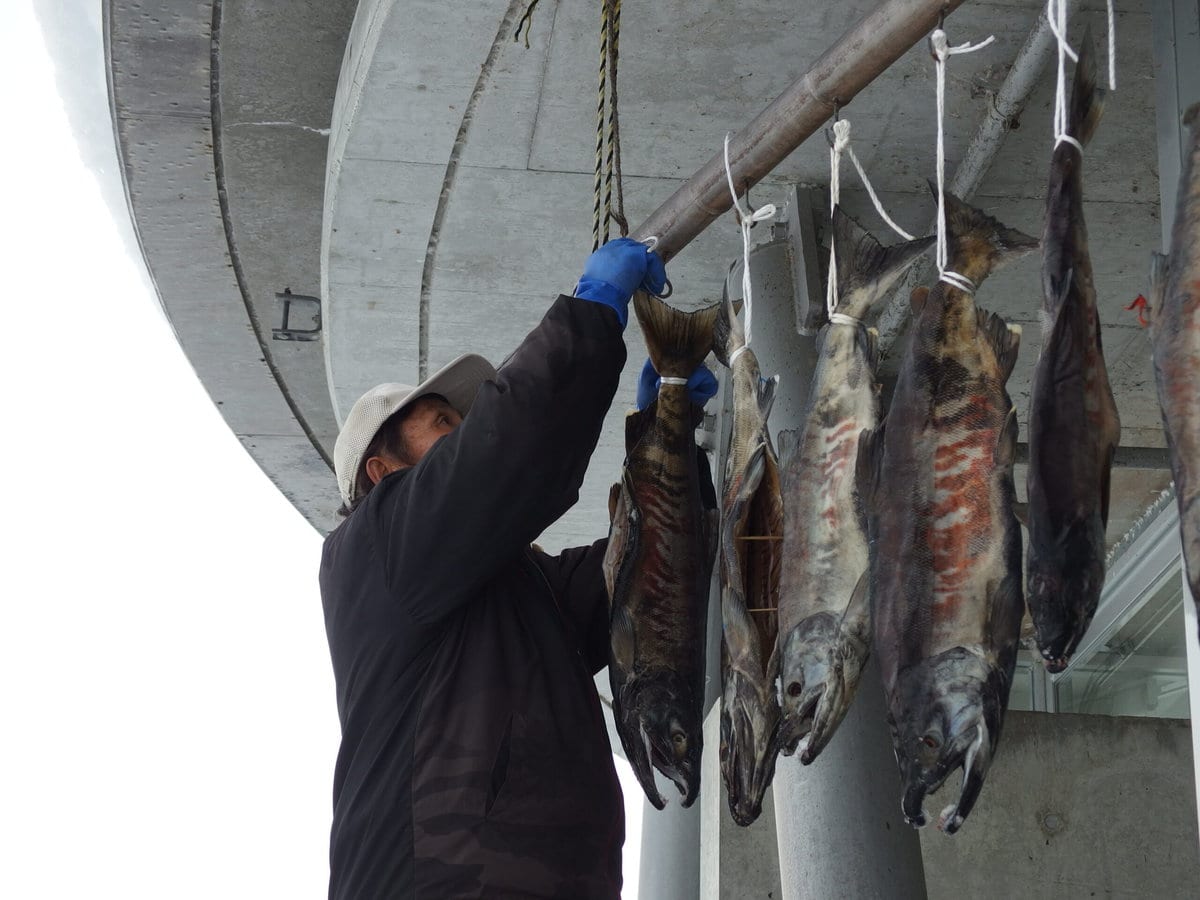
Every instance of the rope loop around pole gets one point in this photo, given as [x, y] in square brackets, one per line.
[942, 51]
[747, 218]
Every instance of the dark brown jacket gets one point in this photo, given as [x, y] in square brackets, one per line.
[475, 761]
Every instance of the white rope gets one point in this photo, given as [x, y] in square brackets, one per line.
[1112, 48]
[941, 52]
[672, 379]
[747, 218]
[736, 353]
[841, 140]
[841, 144]
[837, 318]
[1056, 17]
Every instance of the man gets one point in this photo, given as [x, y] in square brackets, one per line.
[475, 761]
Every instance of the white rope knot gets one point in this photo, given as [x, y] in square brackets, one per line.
[962, 282]
[736, 353]
[747, 218]
[671, 379]
[841, 144]
[941, 52]
[1067, 139]
[837, 318]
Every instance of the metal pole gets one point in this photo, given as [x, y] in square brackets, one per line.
[999, 117]
[839, 831]
[859, 56]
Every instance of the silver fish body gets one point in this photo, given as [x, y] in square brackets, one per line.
[751, 532]
[1175, 333]
[945, 546]
[824, 624]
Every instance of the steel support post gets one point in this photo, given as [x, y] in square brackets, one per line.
[838, 822]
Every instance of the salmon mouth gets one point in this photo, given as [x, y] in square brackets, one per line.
[970, 752]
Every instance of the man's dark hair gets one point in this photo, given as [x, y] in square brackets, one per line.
[389, 440]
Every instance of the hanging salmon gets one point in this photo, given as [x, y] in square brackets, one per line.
[945, 549]
[824, 624]
[659, 561]
[1073, 424]
[1175, 332]
[751, 532]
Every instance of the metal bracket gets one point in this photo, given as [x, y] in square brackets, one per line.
[286, 333]
[801, 221]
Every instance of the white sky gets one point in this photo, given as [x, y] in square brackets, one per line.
[169, 718]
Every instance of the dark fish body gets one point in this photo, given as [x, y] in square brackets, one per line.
[659, 563]
[824, 637]
[1175, 332]
[749, 572]
[1073, 423]
[945, 546]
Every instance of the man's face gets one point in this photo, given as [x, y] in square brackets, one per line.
[430, 419]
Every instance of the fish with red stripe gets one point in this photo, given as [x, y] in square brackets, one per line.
[936, 481]
[824, 622]
[661, 547]
[1175, 333]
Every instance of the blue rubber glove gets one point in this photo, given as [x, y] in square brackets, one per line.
[616, 270]
[702, 386]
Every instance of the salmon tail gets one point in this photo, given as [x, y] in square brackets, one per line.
[866, 270]
[1160, 265]
[1005, 340]
[728, 334]
[971, 232]
[1087, 98]
[677, 341]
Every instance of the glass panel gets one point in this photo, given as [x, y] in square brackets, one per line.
[1139, 668]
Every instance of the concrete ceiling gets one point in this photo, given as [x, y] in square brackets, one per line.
[437, 177]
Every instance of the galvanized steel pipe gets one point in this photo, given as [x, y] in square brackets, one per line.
[854, 61]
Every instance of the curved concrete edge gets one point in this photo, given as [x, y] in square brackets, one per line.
[360, 50]
[159, 69]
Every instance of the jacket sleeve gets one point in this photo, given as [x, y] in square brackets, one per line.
[577, 577]
[486, 490]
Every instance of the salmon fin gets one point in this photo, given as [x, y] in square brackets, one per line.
[1160, 268]
[1087, 98]
[865, 268]
[766, 397]
[614, 496]
[1005, 454]
[964, 220]
[868, 342]
[917, 299]
[728, 333]
[624, 640]
[677, 341]
[858, 608]
[638, 422]
[788, 442]
[1021, 511]
[1005, 341]
[868, 470]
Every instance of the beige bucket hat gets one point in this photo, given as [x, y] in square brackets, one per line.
[458, 381]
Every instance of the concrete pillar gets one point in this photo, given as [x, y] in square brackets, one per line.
[839, 828]
[670, 865]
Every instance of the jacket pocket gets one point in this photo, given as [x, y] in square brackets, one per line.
[499, 768]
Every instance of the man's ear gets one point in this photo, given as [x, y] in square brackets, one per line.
[379, 467]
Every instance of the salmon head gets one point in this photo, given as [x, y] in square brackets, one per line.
[822, 659]
[1063, 589]
[820, 669]
[945, 719]
[750, 730]
[660, 726]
